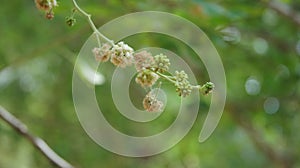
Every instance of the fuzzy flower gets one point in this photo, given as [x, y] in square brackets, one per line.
[146, 78]
[151, 104]
[143, 60]
[162, 63]
[122, 55]
[184, 87]
[102, 53]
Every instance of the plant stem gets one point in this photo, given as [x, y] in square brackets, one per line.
[165, 77]
[37, 142]
[91, 22]
[197, 87]
[174, 82]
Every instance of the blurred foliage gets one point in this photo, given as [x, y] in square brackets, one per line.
[260, 49]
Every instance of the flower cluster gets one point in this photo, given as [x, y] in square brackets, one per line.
[47, 6]
[149, 70]
[143, 60]
[120, 54]
[151, 104]
[183, 86]
[162, 63]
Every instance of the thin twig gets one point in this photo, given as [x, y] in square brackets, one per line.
[165, 77]
[37, 142]
[89, 18]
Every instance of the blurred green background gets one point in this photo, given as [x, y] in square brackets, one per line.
[259, 44]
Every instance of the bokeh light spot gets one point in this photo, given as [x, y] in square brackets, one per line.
[260, 46]
[252, 86]
[271, 105]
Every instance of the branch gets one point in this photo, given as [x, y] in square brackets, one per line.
[285, 11]
[37, 142]
[89, 18]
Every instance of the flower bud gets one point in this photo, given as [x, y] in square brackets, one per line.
[45, 5]
[143, 60]
[146, 78]
[207, 88]
[102, 53]
[162, 63]
[70, 21]
[151, 104]
[49, 15]
[122, 55]
[184, 87]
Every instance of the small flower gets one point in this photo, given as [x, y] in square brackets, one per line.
[146, 78]
[45, 5]
[54, 3]
[143, 60]
[49, 15]
[184, 87]
[151, 104]
[122, 55]
[42, 4]
[162, 63]
[70, 21]
[207, 88]
[102, 53]
[181, 76]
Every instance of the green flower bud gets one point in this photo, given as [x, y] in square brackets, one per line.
[184, 87]
[162, 63]
[181, 76]
[70, 21]
[207, 88]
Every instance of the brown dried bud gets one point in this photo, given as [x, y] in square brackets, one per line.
[43, 4]
[49, 15]
[151, 104]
